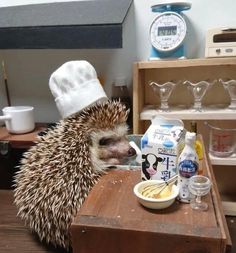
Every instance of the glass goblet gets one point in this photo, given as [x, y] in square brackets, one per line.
[164, 90]
[230, 86]
[199, 186]
[198, 90]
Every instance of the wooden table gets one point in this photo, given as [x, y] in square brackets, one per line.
[111, 220]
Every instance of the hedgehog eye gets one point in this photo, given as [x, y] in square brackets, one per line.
[105, 141]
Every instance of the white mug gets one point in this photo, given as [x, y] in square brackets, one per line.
[18, 119]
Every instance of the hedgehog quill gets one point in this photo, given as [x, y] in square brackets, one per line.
[57, 173]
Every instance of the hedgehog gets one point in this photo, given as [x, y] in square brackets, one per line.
[56, 175]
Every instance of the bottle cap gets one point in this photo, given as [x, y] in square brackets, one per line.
[191, 136]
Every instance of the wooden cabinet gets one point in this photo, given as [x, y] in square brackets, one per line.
[146, 102]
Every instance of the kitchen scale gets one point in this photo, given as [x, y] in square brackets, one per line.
[168, 30]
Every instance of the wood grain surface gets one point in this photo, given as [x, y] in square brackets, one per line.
[112, 220]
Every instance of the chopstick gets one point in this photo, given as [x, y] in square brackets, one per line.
[6, 84]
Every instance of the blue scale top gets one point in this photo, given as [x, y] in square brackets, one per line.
[171, 6]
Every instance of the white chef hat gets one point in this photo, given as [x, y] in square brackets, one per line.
[75, 86]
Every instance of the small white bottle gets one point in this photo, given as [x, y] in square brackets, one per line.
[187, 167]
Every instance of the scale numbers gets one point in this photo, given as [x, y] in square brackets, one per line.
[167, 31]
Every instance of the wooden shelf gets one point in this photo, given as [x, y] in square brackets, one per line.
[231, 160]
[189, 114]
[229, 208]
[189, 69]
[21, 140]
[229, 204]
[186, 63]
[146, 102]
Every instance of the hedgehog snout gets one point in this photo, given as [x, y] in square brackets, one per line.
[131, 152]
[115, 150]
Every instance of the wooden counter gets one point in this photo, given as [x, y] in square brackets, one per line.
[112, 220]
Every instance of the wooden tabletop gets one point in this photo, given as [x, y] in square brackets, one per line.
[113, 198]
[112, 220]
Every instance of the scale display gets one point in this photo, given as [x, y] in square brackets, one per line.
[168, 30]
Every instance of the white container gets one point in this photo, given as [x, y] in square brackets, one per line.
[160, 147]
[18, 119]
[188, 164]
[151, 202]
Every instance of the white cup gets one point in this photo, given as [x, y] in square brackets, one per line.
[18, 119]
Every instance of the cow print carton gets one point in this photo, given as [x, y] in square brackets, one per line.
[160, 146]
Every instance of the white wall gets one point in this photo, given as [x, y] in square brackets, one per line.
[29, 70]
[203, 15]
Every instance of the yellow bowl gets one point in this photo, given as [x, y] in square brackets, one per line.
[155, 203]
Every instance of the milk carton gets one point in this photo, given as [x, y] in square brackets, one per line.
[160, 147]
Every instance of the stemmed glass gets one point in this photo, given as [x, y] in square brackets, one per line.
[199, 186]
[164, 90]
[199, 90]
[230, 86]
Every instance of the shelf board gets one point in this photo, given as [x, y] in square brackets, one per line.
[230, 161]
[227, 61]
[21, 140]
[189, 114]
[229, 208]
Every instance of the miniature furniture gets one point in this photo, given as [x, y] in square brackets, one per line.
[146, 104]
[112, 220]
[21, 140]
